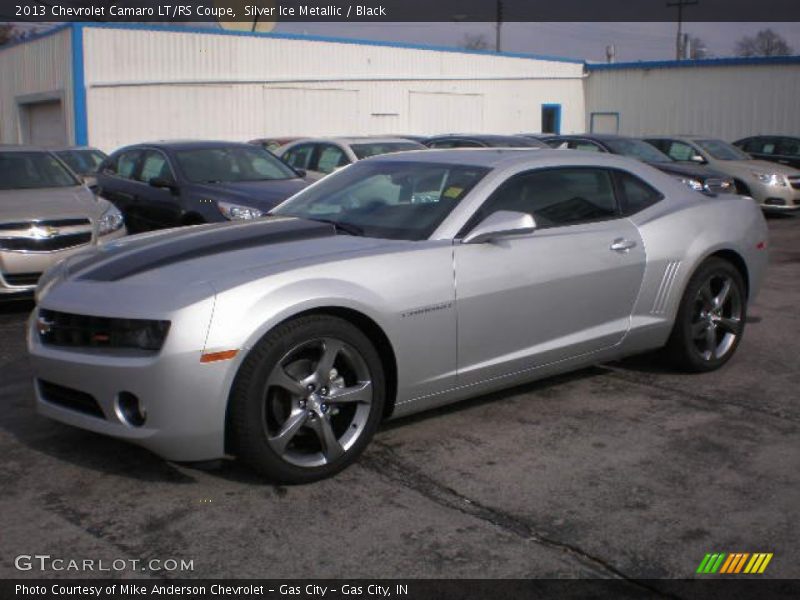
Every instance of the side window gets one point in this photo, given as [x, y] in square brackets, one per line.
[330, 159]
[556, 197]
[442, 144]
[769, 146]
[155, 165]
[752, 145]
[299, 156]
[789, 147]
[637, 195]
[126, 164]
[680, 151]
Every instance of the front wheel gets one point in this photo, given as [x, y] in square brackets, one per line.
[711, 318]
[307, 400]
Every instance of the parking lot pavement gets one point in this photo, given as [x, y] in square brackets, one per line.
[622, 470]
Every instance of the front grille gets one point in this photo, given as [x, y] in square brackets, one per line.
[45, 236]
[82, 331]
[46, 223]
[45, 244]
[22, 279]
[69, 398]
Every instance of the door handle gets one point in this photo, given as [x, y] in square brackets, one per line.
[622, 245]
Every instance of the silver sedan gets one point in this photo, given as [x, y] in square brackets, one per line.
[398, 284]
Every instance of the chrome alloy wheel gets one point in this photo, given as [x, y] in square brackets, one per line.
[717, 317]
[316, 402]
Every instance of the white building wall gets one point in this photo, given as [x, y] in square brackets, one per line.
[729, 102]
[146, 84]
[37, 71]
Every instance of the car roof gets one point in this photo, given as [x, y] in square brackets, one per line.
[70, 148]
[487, 137]
[358, 140]
[187, 144]
[22, 148]
[500, 157]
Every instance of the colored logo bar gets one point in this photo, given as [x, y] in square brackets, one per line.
[734, 563]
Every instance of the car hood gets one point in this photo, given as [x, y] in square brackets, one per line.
[686, 169]
[746, 167]
[258, 194]
[49, 203]
[165, 266]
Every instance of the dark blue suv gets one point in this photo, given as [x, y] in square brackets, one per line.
[167, 184]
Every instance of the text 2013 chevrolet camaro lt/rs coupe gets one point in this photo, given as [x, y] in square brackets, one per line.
[400, 283]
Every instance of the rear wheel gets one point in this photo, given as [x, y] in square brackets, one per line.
[711, 318]
[307, 399]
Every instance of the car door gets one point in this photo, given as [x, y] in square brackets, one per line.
[116, 183]
[568, 289]
[157, 206]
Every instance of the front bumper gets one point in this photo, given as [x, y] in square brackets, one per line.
[185, 400]
[776, 198]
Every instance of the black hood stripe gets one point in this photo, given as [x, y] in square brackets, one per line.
[214, 240]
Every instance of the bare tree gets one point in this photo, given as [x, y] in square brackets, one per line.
[764, 43]
[475, 41]
[8, 33]
[698, 48]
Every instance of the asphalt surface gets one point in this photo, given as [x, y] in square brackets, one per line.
[624, 470]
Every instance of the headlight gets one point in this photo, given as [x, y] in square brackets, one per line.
[111, 220]
[695, 184]
[237, 212]
[774, 179]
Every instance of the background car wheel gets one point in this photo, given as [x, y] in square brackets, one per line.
[307, 399]
[711, 318]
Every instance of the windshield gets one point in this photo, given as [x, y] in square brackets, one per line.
[514, 142]
[394, 200]
[363, 151]
[232, 164]
[722, 150]
[30, 170]
[637, 149]
[82, 162]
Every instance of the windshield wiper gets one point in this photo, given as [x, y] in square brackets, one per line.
[345, 227]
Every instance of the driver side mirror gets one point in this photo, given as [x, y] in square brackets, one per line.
[698, 159]
[300, 172]
[501, 224]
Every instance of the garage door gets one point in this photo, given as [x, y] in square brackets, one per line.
[44, 124]
[433, 112]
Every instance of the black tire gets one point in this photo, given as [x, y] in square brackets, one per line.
[741, 188]
[261, 410]
[691, 346]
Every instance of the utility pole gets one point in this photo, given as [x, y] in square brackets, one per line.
[498, 25]
[679, 38]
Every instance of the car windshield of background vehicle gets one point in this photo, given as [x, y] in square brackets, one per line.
[393, 200]
[363, 151]
[723, 150]
[515, 143]
[30, 170]
[637, 149]
[228, 165]
[82, 161]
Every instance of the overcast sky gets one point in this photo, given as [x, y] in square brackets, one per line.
[633, 41]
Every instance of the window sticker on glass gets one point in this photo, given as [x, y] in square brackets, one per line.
[453, 192]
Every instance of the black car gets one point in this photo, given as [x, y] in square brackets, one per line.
[167, 184]
[482, 141]
[777, 148]
[697, 177]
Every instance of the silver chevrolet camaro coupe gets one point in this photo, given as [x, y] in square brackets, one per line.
[398, 284]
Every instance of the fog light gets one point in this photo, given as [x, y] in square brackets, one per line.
[130, 409]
